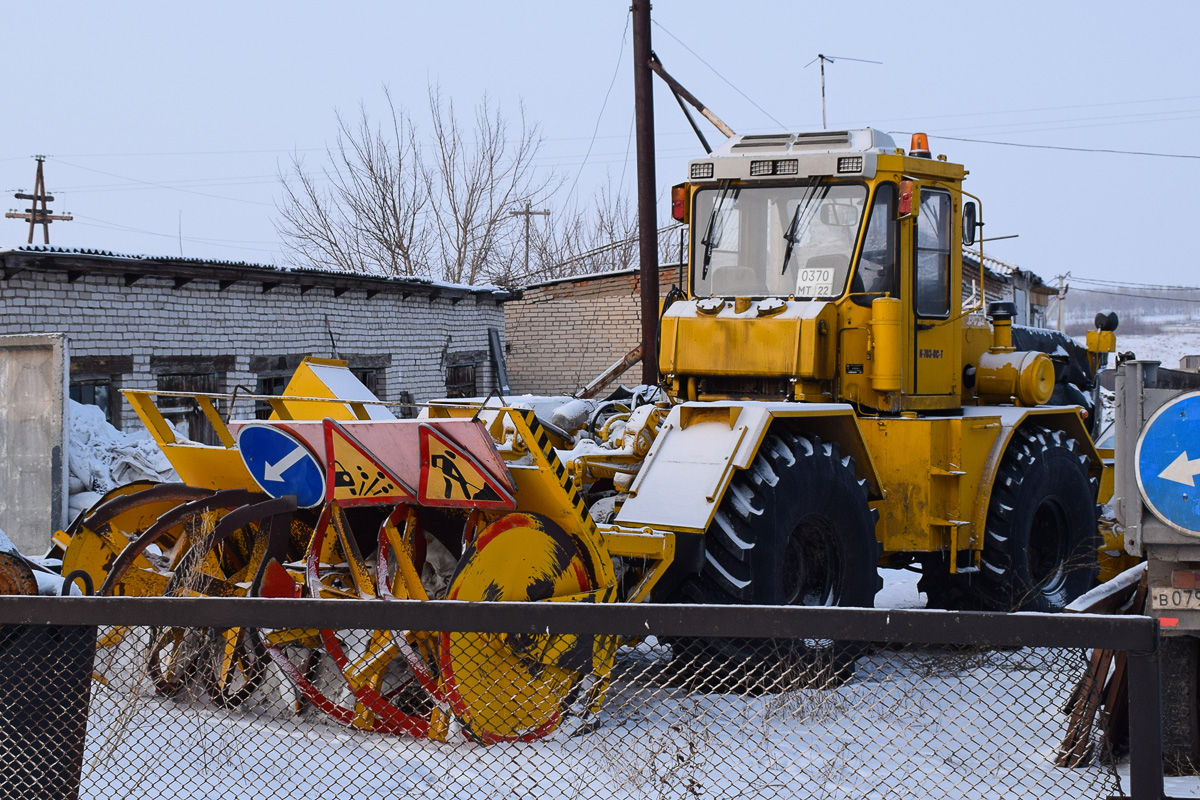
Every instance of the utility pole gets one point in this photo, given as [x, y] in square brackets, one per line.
[1062, 293]
[527, 213]
[643, 97]
[34, 215]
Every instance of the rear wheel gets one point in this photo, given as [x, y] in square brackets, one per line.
[793, 529]
[1041, 542]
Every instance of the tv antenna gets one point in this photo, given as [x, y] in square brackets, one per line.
[831, 59]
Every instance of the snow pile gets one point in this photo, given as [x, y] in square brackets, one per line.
[1167, 348]
[102, 458]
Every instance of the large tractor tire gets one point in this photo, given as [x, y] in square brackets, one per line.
[1041, 541]
[793, 529]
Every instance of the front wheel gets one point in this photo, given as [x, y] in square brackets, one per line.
[1041, 542]
[793, 529]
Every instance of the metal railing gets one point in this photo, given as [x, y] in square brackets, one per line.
[198, 697]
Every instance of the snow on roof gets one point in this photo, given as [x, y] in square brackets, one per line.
[285, 268]
[999, 267]
[590, 276]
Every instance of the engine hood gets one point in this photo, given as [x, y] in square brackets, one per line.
[770, 338]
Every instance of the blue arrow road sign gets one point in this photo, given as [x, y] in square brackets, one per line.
[281, 464]
[1168, 463]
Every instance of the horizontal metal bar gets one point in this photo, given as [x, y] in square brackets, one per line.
[851, 624]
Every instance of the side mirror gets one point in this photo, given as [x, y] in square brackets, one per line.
[839, 215]
[969, 224]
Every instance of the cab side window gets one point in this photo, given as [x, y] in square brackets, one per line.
[933, 254]
[876, 273]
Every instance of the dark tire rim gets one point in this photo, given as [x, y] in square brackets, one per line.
[812, 569]
[1049, 545]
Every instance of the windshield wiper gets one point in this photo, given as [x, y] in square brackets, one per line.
[803, 210]
[708, 241]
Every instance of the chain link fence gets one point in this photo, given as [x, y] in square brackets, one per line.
[441, 700]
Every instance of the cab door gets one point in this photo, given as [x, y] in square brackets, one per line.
[935, 296]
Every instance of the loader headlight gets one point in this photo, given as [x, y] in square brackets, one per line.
[850, 164]
[788, 166]
[704, 170]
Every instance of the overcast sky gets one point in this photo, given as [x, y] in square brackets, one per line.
[161, 118]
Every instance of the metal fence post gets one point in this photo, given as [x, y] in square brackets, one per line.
[1145, 725]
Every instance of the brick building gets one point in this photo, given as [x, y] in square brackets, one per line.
[562, 333]
[183, 324]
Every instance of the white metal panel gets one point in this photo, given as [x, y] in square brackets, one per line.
[33, 457]
[681, 481]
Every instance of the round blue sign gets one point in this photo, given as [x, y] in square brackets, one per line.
[1168, 462]
[281, 464]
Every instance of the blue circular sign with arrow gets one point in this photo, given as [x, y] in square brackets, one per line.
[281, 464]
[1168, 462]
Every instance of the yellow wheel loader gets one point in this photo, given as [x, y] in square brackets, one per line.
[854, 409]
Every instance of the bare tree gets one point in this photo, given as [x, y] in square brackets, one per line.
[384, 206]
[603, 237]
[475, 187]
[362, 212]
[391, 202]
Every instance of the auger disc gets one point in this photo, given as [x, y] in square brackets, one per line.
[362, 678]
[505, 687]
[99, 535]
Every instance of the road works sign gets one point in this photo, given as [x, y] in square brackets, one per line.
[1168, 463]
[281, 464]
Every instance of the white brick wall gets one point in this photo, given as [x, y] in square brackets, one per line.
[104, 317]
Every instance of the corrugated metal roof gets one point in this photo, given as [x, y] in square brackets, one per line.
[286, 269]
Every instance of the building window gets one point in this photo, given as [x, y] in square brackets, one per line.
[183, 412]
[371, 378]
[460, 381]
[96, 381]
[98, 393]
[268, 385]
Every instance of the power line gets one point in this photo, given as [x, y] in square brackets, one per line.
[719, 75]
[201, 183]
[1126, 284]
[116, 226]
[1098, 121]
[192, 153]
[164, 186]
[603, 105]
[1142, 296]
[1060, 147]
[1046, 108]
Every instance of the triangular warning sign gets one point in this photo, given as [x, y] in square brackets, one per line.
[354, 476]
[451, 476]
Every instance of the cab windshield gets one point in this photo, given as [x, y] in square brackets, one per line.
[775, 241]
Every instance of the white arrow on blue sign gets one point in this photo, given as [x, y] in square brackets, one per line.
[281, 464]
[1168, 462]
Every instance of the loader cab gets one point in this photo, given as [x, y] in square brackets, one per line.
[794, 240]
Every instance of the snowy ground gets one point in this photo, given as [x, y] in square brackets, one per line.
[916, 723]
[1165, 347]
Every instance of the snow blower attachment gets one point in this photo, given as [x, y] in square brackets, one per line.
[357, 504]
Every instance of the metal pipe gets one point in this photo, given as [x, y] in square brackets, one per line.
[1145, 725]
[643, 94]
[1137, 634]
[682, 94]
